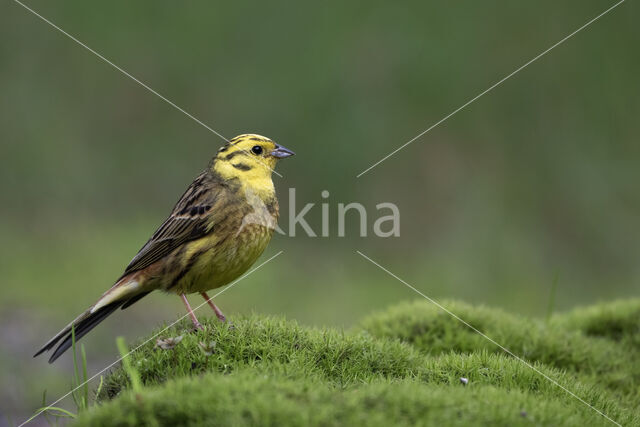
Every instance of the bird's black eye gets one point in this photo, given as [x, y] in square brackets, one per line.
[256, 149]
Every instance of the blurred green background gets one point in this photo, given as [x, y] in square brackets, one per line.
[527, 199]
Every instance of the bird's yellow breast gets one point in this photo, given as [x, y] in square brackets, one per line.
[219, 263]
[227, 251]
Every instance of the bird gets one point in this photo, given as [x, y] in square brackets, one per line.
[216, 231]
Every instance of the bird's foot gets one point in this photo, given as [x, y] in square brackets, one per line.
[197, 326]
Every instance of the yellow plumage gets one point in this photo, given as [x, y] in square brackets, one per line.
[217, 230]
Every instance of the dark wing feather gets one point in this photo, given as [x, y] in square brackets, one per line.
[190, 219]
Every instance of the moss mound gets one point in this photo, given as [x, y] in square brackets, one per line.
[402, 366]
[618, 321]
[251, 399]
[599, 343]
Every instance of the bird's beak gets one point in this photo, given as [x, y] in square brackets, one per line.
[280, 152]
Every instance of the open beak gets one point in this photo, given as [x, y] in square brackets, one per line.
[280, 152]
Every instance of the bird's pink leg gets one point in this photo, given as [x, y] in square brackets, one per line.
[214, 307]
[196, 324]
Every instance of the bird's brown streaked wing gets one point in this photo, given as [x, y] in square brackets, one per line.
[181, 230]
[192, 217]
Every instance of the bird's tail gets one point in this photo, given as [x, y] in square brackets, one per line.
[122, 294]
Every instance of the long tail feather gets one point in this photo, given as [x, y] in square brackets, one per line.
[83, 327]
[83, 324]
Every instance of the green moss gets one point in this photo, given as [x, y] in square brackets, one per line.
[618, 321]
[266, 343]
[403, 366]
[249, 398]
[599, 343]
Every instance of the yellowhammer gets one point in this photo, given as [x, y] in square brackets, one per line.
[216, 231]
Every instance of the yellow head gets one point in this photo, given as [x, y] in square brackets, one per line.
[250, 158]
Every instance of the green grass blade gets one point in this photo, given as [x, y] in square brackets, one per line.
[85, 387]
[99, 389]
[552, 297]
[63, 413]
[132, 372]
[76, 374]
